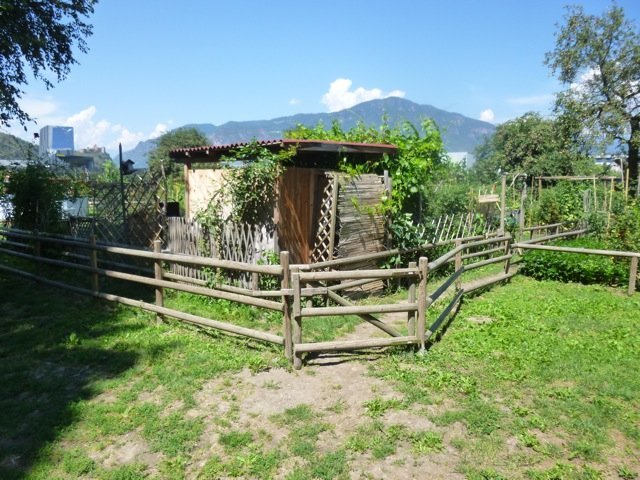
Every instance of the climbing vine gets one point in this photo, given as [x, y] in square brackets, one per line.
[420, 155]
[249, 187]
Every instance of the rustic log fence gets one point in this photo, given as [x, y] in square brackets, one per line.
[296, 286]
[632, 256]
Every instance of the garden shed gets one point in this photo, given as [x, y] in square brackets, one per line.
[321, 213]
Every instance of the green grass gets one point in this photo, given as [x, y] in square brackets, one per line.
[537, 380]
[558, 359]
[60, 352]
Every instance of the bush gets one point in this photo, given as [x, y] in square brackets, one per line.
[37, 196]
[560, 203]
[575, 267]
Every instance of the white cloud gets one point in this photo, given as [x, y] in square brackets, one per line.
[487, 115]
[38, 107]
[161, 129]
[89, 129]
[295, 101]
[340, 95]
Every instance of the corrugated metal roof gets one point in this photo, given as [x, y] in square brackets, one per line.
[214, 152]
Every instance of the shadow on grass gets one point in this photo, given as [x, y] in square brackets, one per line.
[53, 350]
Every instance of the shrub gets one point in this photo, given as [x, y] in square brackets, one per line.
[575, 267]
[37, 196]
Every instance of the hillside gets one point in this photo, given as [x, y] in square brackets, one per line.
[14, 148]
[459, 133]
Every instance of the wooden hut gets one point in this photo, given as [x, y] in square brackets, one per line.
[321, 214]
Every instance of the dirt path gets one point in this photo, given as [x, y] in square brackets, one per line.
[338, 389]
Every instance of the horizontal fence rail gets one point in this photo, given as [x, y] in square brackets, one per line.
[298, 292]
[633, 264]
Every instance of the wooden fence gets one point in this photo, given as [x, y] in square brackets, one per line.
[298, 284]
[238, 242]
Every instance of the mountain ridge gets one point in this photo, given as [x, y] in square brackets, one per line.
[459, 133]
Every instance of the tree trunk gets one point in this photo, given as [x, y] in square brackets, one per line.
[633, 156]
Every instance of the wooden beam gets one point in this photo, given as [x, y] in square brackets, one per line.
[354, 344]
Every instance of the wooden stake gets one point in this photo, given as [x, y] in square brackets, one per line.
[286, 300]
[411, 316]
[423, 266]
[507, 251]
[633, 274]
[297, 318]
[157, 270]
[503, 203]
[458, 263]
[93, 261]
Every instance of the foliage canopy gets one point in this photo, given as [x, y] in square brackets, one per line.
[40, 37]
[598, 59]
[37, 195]
[420, 153]
[532, 145]
[161, 165]
[180, 138]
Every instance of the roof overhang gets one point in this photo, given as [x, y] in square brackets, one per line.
[213, 153]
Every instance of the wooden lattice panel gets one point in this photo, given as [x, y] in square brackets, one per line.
[141, 221]
[324, 244]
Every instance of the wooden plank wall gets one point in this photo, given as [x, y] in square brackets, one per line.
[361, 226]
[298, 211]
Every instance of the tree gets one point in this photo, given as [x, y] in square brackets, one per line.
[598, 58]
[180, 138]
[160, 164]
[40, 36]
[532, 145]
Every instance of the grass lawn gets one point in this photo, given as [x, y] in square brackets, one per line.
[533, 380]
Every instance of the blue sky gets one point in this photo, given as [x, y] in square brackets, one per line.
[155, 65]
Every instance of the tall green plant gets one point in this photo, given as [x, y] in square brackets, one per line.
[249, 188]
[420, 154]
[37, 194]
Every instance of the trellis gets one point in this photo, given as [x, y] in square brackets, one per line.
[245, 243]
[131, 213]
[323, 248]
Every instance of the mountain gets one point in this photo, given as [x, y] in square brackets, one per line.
[14, 148]
[459, 133]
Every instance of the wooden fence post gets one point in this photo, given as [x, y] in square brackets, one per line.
[157, 269]
[503, 203]
[458, 264]
[521, 218]
[297, 318]
[411, 316]
[285, 284]
[507, 250]
[423, 266]
[633, 274]
[37, 252]
[95, 278]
